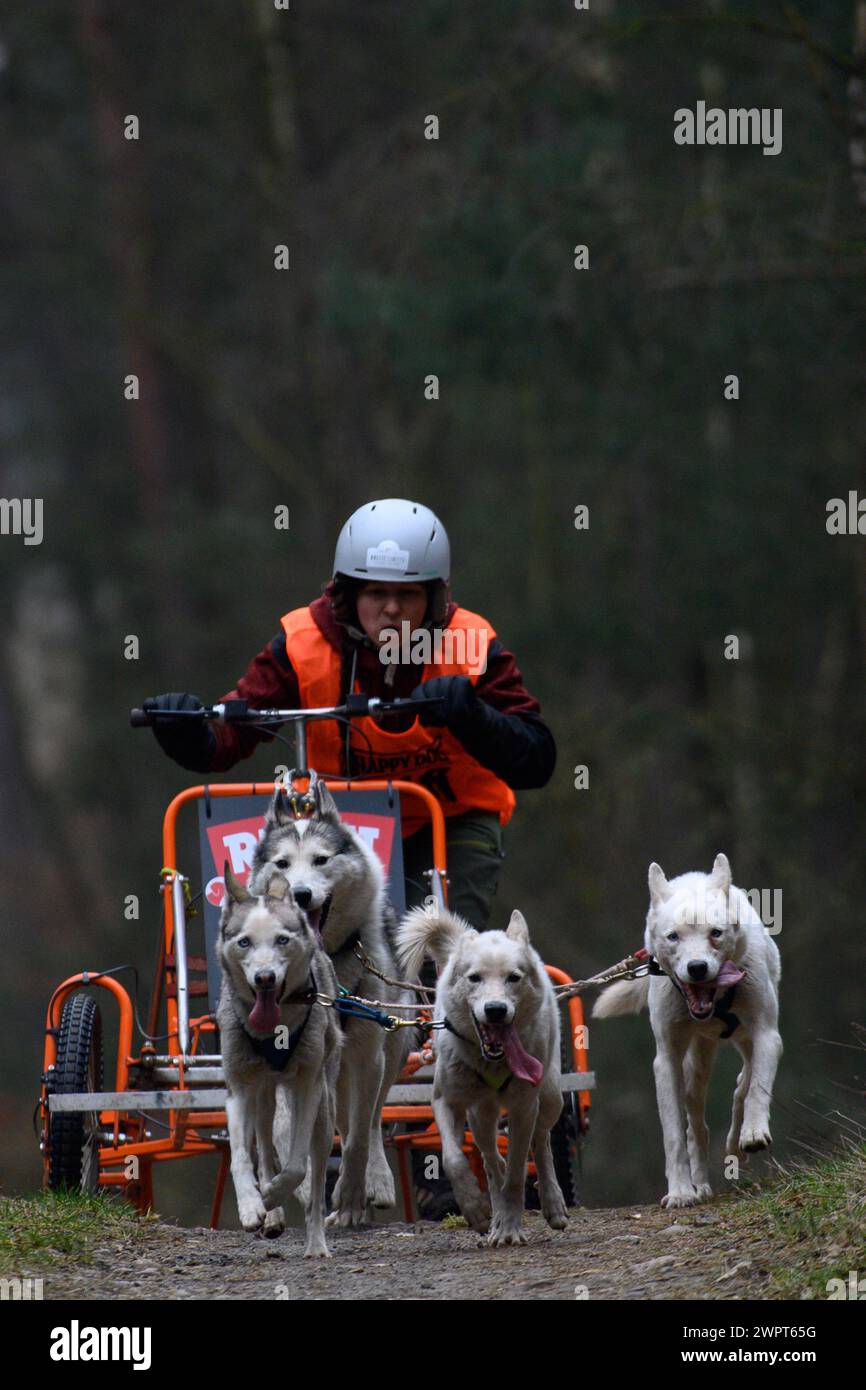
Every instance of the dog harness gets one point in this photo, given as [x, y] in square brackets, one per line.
[721, 1007]
[722, 1010]
[433, 756]
[278, 1058]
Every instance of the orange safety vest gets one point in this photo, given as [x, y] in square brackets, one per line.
[431, 756]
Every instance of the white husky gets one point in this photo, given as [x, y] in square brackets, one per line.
[719, 979]
[499, 1049]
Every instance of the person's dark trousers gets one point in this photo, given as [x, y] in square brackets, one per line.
[474, 855]
[474, 858]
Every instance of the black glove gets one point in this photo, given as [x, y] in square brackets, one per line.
[519, 748]
[189, 741]
[457, 703]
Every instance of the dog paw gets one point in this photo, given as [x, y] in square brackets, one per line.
[507, 1230]
[349, 1207]
[275, 1223]
[317, 1249]
[680, 1199]
[476, 1212]
[251, 1212]
[753, 1138]
[556, 1216]
[380, 1189]
[278, 1190]
[704, 1191]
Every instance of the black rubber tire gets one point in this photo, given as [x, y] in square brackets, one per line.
[565, 1135]
[73, 1139]
[563, 1143]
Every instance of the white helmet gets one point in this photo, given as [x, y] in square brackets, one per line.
[393, 540]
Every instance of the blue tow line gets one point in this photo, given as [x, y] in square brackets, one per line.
[353, 1008]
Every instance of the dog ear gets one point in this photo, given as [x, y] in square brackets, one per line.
[517, 929]
[721, 874]
[277, 886]
[278, 811]
[660, 889]
[236, 891]
[326, 806]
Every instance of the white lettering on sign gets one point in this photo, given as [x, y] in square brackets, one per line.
[240, 849]
[368, 833]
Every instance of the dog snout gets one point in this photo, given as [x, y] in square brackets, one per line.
[265, 979]
[697, 969]
[495, 1011]
[303, 895]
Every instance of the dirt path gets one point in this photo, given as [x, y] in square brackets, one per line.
[623, 1253]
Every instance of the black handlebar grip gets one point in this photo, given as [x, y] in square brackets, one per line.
[139, 719]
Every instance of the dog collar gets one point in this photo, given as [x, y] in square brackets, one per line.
[278, 1058]
[496, 1083]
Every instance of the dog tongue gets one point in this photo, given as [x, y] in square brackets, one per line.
[729, 974]
[524, 1067]
[265, 1015]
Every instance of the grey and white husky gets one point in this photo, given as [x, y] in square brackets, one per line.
[499, 1049]
[277, 1043]
[719, 979]
[340, 884]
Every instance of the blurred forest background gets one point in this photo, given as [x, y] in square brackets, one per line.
[558, 387]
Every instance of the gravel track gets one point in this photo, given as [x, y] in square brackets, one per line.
[619, 1253]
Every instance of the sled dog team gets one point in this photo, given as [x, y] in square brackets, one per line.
[316, 894]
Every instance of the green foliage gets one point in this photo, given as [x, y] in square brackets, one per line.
[35, 1230]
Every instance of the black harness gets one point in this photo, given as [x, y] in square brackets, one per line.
[722, 1010]
[278, 1058]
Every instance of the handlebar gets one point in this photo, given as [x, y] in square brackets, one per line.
[238, 712]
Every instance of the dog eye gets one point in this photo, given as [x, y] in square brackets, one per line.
[513, 977]
[243, 942]
[319, 860]
[283, 940]
[474, 977]
[281, 863]
[716, 933]
[672, 936]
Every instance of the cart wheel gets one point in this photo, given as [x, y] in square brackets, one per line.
[565, 1137]
[563, 1142]
[73, 1139]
